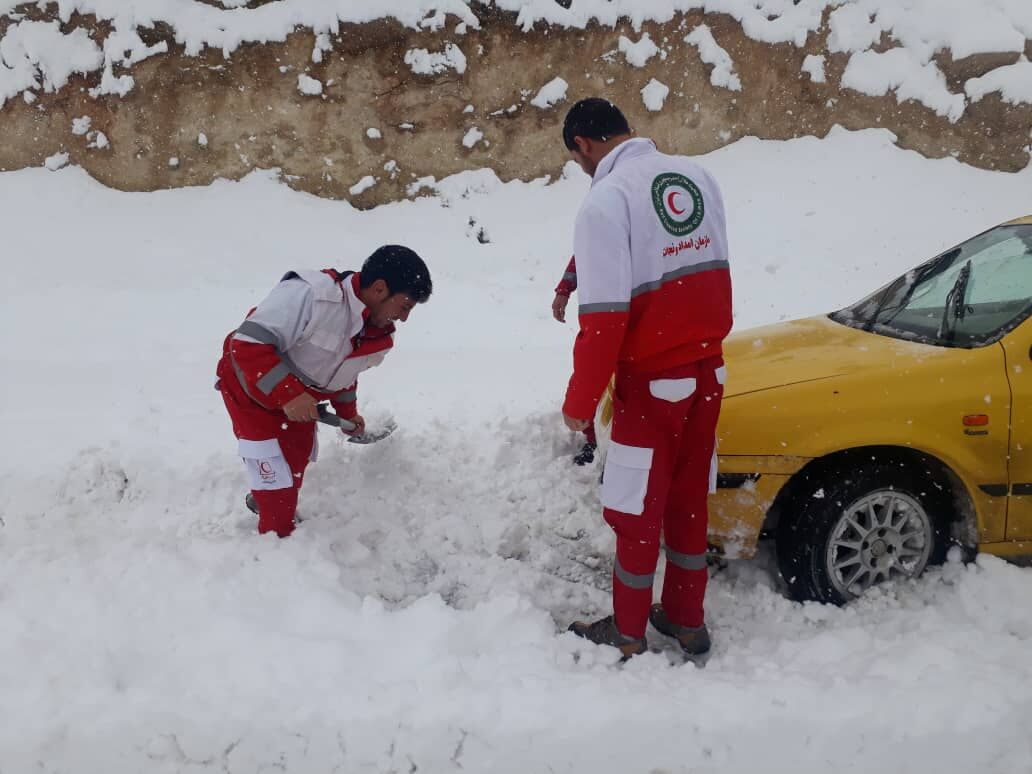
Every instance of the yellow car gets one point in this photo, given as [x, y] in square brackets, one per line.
[868, 440]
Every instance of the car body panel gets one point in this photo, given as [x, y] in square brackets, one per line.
[800, 391]
[737, 514]
[1017, 347]
[805, 389]
[1025, 220]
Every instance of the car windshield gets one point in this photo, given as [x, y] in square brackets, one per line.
[969, 296]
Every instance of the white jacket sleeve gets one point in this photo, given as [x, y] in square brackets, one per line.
[602, 246]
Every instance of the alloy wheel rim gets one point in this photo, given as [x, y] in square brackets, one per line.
[881, 536]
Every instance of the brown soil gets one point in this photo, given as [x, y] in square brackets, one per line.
[249, 108]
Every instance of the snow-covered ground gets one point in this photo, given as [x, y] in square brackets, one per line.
[413, 622]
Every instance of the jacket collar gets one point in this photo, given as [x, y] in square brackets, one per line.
[350, 286]
[629, 149]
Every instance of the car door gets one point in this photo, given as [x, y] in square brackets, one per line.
[980, 297]
[998, 302]
[1018, 348]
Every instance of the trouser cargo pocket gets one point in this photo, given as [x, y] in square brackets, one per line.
[625, 480]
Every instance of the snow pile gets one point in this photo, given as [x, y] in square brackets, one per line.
[124, 48]
[550, 94]
[638, 54]
[813, 65]
[472, 137]
[902, 72]
[322, 46]
[1013, 82]
[362, 185]
[654, 95]
[852, 28]
[921, 29]
[423, 62]
[309, 86]
[723, 74]
[81, 125]
[37, 55]
[414, 621]
[56, 162]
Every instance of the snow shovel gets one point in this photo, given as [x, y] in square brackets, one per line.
[327, 417]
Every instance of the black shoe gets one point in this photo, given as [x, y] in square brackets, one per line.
[604, 632]
[586, 455]
[693, 641]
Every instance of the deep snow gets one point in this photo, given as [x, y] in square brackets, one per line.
[413, 622]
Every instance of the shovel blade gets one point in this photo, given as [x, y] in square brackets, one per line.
[372, 436]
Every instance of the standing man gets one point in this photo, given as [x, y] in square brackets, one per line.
[655, 305]
[307, 342]
[566, 286]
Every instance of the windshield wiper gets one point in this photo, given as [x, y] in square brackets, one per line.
[919, 275]
[954, 309]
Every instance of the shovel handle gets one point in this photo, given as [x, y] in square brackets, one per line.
[327, 417]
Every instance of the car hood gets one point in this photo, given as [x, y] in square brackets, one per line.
[805, 350]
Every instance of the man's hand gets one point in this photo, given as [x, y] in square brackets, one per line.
[359, 423]
[559, 307]
[303, 408]
[577, 425]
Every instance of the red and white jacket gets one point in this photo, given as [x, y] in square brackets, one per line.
[652, 270]
[568, 284]
[311, 334]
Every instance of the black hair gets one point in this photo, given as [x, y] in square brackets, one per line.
[594, 118]
[401, 269]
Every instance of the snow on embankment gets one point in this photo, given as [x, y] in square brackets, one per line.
[38, 55]
[290, 84]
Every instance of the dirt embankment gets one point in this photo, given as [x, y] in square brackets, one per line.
[190, 120]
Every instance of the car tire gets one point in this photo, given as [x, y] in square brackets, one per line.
[850, 529]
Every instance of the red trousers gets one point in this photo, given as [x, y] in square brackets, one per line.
[275, 450]
[656, 481]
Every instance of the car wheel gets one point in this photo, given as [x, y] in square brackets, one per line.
[853, 529]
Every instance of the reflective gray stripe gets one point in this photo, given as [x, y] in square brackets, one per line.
[632, 581]
[686, 561]
[570, 277]
[258, 333]
[684, 271]
[273, 378]
[241, 379]
[345, 396]
[611, 306]
[304, 379]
